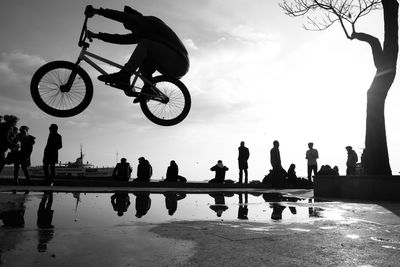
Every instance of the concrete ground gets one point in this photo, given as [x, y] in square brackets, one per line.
[355, 234]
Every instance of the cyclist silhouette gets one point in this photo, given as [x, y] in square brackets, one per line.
[158, 47]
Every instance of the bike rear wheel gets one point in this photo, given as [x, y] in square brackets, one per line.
[172, 112]
[48, 89]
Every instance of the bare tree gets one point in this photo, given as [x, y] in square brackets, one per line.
[320, 15]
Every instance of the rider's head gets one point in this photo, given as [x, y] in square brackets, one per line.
[131, 11]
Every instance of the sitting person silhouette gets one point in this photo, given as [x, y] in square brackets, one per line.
[122, 171]
[144, 171]
[173, 173]
[158, 47]
[220, 170]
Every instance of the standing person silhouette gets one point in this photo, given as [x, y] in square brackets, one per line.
[276, 160]
[23, 158]
[244, 155]
[311, 156]
[50, 157]
[352, 159]
[158, 47]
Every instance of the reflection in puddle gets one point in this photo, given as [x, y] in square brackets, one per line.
[300, 229]
[386, 240]
[36, 210]
[352, 236]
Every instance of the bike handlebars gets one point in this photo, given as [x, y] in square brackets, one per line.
[83, 36]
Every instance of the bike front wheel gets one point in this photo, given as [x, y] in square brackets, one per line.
[172, 112]
[50, 93]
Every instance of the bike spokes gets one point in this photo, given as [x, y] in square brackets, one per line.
[54, 92]
[170, 106]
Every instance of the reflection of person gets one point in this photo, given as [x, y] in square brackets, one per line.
[158, 47]
[23, 158]
[173, 173]
[122, 171]
[144, 171]
[143, 204]
[120, 202]
[50, 157]
[219, 206]
[277, 210]
[220, 171]
[352, 159]
[244, 155]
[44, 221]
[171, 201]
[311, 156]
[243, 210]
[6, 137]
[14, 216]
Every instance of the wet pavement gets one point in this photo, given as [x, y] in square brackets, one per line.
[158, 227]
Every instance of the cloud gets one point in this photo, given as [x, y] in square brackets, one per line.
[249, 34]
[224, 78]
[16, 71]
[190, 44]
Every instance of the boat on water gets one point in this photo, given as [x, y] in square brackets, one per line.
[76, 169]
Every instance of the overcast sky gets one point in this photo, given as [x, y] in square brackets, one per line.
[256, 76]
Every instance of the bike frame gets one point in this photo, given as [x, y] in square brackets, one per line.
[86, 55]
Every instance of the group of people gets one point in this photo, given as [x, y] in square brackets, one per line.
[16, 146]
[123, 170]
[312, 165]
[278, 171]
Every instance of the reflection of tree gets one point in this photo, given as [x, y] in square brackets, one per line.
[120, 202]
[321, 14]
[171, 201]
[44, 221]
[143, 203]
[219, 206]
[243, 209]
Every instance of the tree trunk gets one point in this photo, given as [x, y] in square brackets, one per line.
[375, 158]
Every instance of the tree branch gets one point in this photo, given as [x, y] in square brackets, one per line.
[374, 43]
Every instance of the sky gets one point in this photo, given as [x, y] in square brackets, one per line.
[255, 75]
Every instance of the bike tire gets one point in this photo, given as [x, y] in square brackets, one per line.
[47, 95]
[175, 110]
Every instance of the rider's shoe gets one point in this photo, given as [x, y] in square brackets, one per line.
[137, 99]
[141, 97]
[121, 78]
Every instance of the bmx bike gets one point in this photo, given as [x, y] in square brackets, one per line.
[64, 89]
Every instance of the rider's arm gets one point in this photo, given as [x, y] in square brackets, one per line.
[120, 16]
[118, 38]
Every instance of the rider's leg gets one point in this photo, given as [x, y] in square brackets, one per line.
[136, 59]
[166, 60]
[147, 69]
